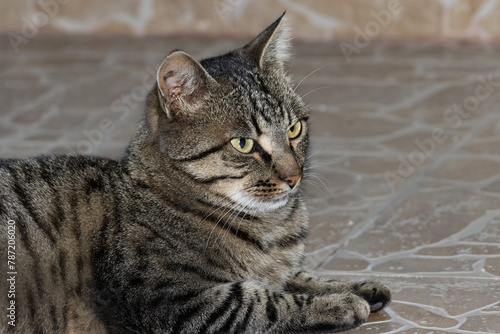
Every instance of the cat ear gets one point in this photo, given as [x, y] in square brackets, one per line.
[183, 84]
[272, 46]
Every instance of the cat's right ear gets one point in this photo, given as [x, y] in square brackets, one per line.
[272, 47]
[183, 84]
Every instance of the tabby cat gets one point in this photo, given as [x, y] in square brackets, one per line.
[200, 227]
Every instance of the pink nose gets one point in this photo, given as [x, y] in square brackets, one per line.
[292, 180]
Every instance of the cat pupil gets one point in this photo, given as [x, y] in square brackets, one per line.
[242, 142]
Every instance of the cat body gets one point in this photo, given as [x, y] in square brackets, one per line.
[200, 228]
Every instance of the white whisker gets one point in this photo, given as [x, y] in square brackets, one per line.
[307, 76]
[318, 177]
[316, 89]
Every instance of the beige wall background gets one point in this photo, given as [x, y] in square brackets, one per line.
[470, 20]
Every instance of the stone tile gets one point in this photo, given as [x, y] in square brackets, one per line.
[426, 265]
[316, 69]
[344, 261]
[344, 94]
[423, 219]
[435, 305]
[486, 147]
[481, 324]
[457, 297]
[58, 121]
[352, 126]
[485, 230]
[375, 327]
[468, 169]
[422, 317]
[428, 141]
[492, 130]
[492, 266]
[494, 308]
[423, 331]
[461, 249]
[493, 186]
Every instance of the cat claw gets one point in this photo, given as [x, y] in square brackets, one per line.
[376, 307]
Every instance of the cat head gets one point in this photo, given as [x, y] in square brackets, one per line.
[234, 123]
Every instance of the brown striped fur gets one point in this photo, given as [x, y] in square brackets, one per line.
[185, 234]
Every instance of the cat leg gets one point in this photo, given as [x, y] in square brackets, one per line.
[374, 292]
[251, 307]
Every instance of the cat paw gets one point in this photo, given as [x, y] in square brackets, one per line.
[356, 310]
[346, 310]
[361, 308]
[375, 293]
[332, 313]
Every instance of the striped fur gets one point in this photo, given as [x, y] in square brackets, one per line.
[185, 234]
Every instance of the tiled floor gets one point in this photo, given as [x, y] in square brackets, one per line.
[405, 156]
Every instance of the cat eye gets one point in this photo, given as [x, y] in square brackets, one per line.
[295, 130]
[243, 145]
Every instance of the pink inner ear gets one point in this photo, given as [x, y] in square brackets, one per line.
[176, 91]
[175, 85]
[182, 82]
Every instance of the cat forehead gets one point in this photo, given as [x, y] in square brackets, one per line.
[229, 64]
[238, 72]
[251, 95]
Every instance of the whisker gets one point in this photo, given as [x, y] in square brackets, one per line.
[228, 221]
[231, 224]
[291, 65]
[307, 76]
[225, 211]
[317, 163]
[252, 211]
[230, 212]
[311, 155]
[318, 177]
[316, 89]
[216, 203]
[215, 225]
[252, 214]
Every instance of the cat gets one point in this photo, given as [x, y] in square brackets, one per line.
[199, 228]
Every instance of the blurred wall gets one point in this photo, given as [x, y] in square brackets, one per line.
[474, 20]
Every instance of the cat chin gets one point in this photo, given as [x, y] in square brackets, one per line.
[274, 204]
[252, 205]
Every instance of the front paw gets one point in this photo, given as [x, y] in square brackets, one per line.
[375, 293]
[360, 310]
[337, 312]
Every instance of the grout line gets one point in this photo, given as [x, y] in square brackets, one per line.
[418, 275]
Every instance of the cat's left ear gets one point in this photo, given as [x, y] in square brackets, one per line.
[183, 84]
[272, 46]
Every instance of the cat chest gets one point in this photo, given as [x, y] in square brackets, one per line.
[272, 265]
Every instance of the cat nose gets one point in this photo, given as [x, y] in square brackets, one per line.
[292, 180]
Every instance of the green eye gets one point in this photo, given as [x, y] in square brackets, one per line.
[295, 130]
[243, 145]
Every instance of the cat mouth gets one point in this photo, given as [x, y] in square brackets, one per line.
[265, 196]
